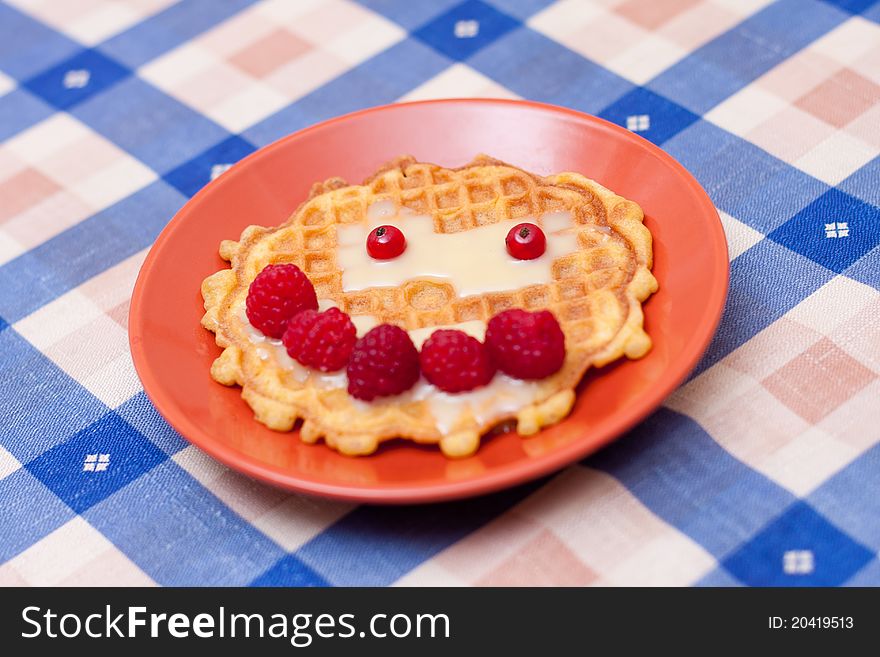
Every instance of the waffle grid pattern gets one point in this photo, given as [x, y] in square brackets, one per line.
[456, 205]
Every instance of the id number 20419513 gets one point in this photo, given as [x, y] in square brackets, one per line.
[810, 622]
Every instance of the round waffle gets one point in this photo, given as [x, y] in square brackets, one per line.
[595, 294]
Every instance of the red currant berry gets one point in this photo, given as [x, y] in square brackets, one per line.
[526, 242]
[385, 242]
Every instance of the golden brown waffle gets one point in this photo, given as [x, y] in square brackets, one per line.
[596, 295]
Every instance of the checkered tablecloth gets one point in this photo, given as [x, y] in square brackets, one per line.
[764, 469]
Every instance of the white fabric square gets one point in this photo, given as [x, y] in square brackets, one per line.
[178, 65]
[57, 319]
[646, 58]
[114, 383]
[745, 110]
[832, 304]
[7, 83]
[457, 81]
[478, 553]
[431, 573]
[250, 106]
[299, 518]
[836, 158]
[9, 248]
[613, 533]
[849, 41]
[740, 237]
[565, 17]
[807, 461]
[115, 182]
[93, 22]
[81, 546]
[47, 137]
[372, 35]
[8, 463]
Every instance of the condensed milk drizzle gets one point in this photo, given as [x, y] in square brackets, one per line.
[473, 261]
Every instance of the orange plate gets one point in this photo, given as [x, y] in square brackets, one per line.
[173, 353]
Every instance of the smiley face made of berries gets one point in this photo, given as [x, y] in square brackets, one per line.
[458, 306]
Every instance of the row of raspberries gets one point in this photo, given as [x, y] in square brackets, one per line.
[281, 303]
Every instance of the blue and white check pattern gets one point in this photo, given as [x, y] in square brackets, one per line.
[95, 488]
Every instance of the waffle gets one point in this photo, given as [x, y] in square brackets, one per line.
[595, 294]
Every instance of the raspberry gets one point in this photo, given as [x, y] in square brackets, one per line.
[454, 361]
[384, 362]
[278, 293]
[320, 340]
[526, 345]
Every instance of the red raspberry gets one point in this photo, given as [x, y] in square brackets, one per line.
[526, 345]
[454, 361]
[278, 293]
[320, 340]
[384, 362]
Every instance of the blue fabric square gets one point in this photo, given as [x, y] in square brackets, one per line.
[377, 81]
[872, 13]
[862, 183]
[40, 405]
[794, 24]
[96, 462]
[737, 182]
[189, 178]
[521, 9]
[785, 27]
[448, 34]
[86, 249]
[394, 540]
[728, 63]
[852, 6]
[779, 547]
[679, 472]
[167, 132]
[765, 283]
[20, 110]
[866, 269]
[718, 577]
[289, 571]
[697, 82]
[168, 29]
[28, 512]
[194, 539]
[869, 575]
[807, 232]
[743, 180]
[140, 413]
[774, 200]
[740, 56]
[3, 324]
[409, 14]
[52, 85]
[27, 46]
[666, 119]
[701, 145]
[538, 68]
[727, 166]
[851, 498]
